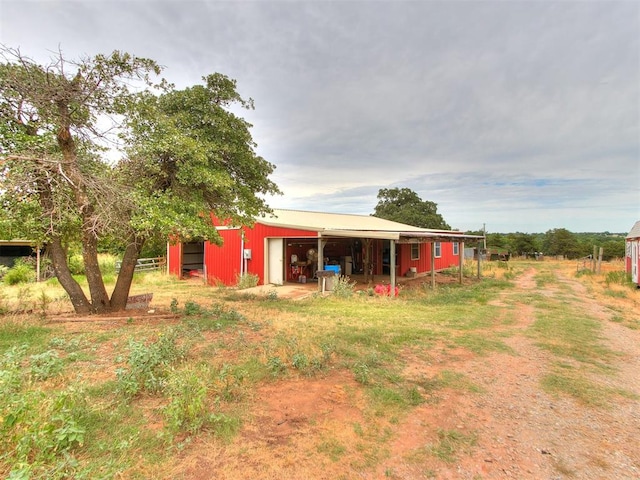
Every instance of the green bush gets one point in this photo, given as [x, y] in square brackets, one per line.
[38, 429]
[107, 264]
[149, 365]
[343, 288]
[76, 264]
[247, 280]
[21, 272]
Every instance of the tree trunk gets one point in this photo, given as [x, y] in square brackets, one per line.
[99, 296]
[61, 267]
[59, 257]
[125, 277]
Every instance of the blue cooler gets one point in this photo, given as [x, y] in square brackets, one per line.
[333, 268]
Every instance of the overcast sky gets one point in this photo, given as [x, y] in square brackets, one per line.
[521, 115]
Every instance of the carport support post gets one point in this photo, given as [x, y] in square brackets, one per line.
[433, 265]
[392, 264]
[479, 261]
[37, 263]
[461, 258]
[320, 262]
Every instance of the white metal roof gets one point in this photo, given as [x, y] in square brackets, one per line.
[635, 231]
[349, 225]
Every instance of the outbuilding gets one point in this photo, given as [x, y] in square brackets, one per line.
[12, 250]
[292, 245]
[632, 260]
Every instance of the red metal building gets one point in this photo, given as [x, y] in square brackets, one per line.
[291, 243]
[632, 260]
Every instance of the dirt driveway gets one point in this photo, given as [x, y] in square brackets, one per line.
[512, 427]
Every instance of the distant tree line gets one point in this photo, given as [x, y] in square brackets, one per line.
[405, 206]
[558, 241]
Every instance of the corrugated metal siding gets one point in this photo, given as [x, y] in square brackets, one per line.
[174, 259]
[447, 258]
[629, 258]
[223, 263]
[423, 264]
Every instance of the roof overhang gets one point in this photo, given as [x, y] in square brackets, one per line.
[421, 237]
[402, 237]
[18, 243]
[360, 234]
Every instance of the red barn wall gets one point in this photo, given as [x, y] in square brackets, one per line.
[447, 258]
[174, 259]
[423, 264]
[223, 263]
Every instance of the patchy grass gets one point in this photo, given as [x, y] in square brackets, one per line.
[130, 397]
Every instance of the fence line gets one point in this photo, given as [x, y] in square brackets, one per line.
[146, 264]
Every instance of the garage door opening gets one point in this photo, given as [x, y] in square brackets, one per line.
[193, 259]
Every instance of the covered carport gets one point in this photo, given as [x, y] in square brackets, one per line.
[402, 237]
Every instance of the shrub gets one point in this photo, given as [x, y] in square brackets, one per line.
[192, 308]
[76, 264]
[247, 280]
[21, 272]
[343, 287]
[107, 264]
[149, 365]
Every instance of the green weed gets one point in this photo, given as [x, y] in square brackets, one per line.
[451, 444]
[149, 364]
[332, 448]
[45, 365]
[187, 410]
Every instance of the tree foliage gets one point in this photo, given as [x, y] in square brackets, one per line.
[185, 154]
[560, 241]
[405, 206]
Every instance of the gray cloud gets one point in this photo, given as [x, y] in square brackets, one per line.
[522, 115]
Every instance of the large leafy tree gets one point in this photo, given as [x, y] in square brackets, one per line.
[560, 241]
[405, 206]
[185, 155]
[524, 243]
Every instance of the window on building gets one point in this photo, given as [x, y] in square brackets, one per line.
[437, 248]
[456, 248]
[415, 251]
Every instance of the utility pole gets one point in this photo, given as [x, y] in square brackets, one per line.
[484, 234]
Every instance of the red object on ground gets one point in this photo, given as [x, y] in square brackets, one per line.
[385, 290]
